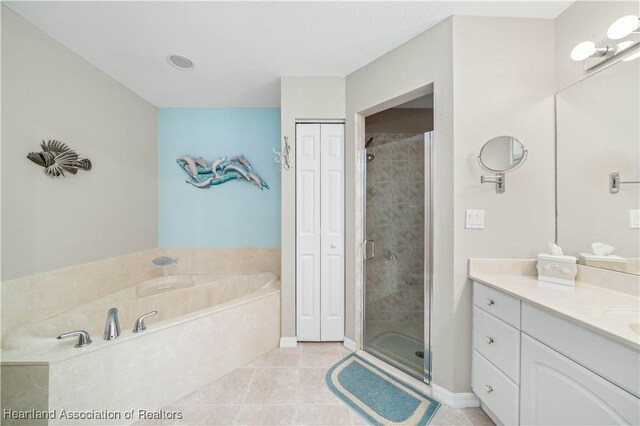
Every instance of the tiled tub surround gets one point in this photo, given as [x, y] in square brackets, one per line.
[217, 325]
[33, 298]
[395, 221]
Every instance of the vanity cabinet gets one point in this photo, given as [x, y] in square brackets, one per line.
[556, 390]
[495, 368]
[532, 367]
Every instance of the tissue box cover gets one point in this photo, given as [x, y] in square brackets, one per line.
[557, 269]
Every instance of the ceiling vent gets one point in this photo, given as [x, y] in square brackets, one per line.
[181, 62]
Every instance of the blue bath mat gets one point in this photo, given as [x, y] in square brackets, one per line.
[378, 397]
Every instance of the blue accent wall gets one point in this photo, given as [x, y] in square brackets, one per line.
[233, 214]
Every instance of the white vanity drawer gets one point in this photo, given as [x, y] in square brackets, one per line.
[498, 342]
[498, 304]
[612, 360]
[495, 390]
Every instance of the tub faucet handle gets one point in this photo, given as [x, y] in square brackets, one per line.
[83, 337]
[112, 327]
[139, 325]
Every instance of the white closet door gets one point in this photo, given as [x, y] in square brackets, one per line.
[308, 231]
[332, 232]
[320, 232]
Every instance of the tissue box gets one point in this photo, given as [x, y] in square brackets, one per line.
[557, 269]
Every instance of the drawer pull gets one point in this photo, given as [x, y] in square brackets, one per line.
[491, 302]
[488, 388]
[489, 340]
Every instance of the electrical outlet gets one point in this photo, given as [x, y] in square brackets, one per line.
[474, 219]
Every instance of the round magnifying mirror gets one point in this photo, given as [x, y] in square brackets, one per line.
[502, 154]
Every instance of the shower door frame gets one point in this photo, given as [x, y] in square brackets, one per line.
[428, 262]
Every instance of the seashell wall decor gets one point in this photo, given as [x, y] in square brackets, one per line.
[203, 175]
[57, 158]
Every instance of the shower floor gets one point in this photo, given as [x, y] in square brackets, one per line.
[398, 342]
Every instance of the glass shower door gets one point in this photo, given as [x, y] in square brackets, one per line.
[397, 285]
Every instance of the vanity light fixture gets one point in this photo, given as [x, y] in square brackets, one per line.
[625, 31]
[181, 62]
[623, 27]
[587, 49]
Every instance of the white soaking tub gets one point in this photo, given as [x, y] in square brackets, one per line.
[206, 326]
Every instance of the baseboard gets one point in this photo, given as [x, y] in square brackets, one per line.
[349, 344]
[288, 342]
[455, 400]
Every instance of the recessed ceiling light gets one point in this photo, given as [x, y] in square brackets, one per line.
[181, 62]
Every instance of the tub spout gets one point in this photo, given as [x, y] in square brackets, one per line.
[112, 327]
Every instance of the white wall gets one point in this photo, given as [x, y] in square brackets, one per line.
[584, 21]
[302, 98]
[49, 92]
[503, 85]
[421, 62]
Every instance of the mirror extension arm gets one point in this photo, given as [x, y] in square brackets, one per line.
[498, 179]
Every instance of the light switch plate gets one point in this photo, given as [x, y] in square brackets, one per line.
[474, 219]
[634, 219]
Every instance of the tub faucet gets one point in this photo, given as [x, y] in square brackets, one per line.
[139, 325]
[112, 327]
[83, 337]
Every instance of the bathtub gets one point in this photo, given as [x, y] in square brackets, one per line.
[206, 326]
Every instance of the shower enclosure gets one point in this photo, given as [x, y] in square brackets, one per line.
[397, 269]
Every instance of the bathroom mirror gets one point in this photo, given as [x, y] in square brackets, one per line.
[502, 154]
[598, 139]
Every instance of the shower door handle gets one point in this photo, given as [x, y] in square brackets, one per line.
[373, 249]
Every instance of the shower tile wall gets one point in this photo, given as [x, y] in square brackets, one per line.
[395, 221]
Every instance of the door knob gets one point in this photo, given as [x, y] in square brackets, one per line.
[489, 340]
[491, 302]
[489, 388]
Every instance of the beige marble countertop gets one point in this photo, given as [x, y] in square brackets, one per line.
[585, 304]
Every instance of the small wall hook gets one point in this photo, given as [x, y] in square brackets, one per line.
[284, 160]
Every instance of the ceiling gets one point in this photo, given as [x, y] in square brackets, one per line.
[422, 102]
[241, 49]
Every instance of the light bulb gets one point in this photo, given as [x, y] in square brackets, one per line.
[632, 57]
[624, 45]
[622, 27]
[583, 50]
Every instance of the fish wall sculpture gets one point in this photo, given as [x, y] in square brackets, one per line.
[204, 175]
[57, 158]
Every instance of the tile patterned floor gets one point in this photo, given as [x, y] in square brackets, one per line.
[286, 387]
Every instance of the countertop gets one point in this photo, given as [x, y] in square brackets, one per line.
[605, 311]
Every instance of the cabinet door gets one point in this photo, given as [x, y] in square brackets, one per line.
[556, 390]
[332, 232]
[308, 231]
